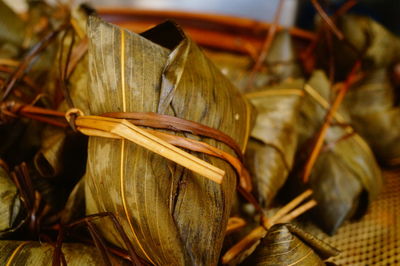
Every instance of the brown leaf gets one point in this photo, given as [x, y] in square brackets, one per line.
[273, 143]
[172, 215]
[346, 176]
[10, 204]
[286, 244]
[36, 253]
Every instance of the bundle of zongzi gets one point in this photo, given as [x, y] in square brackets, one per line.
[372, 102]
[280, 64]
[345, 176]
[286, 244]
[171, 214]
[363, 37]
[271, 149]
[375, 114]
[276, 94]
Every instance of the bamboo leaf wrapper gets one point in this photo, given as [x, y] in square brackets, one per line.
[173, 215]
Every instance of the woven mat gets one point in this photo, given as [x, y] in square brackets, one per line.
[375, 239]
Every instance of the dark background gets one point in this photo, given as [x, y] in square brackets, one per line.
[386, 12]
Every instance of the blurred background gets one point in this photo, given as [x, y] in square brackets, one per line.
[385, 11]
[295, 12]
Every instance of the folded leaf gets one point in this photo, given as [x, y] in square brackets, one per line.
[372, 101]
[286, 244]
[379, 47]
[172, 215]
[12, 31]
[380, 129]
[10, 204]
[375, 114]
[273, 143]
[74, 208]
[53, 157]
[36, 253]
[280, 64]
[271, 149]
[345, 177]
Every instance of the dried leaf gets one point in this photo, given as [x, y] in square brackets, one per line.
[345, 177]
[12, 30]
[379, 46]
[375, 114]
[273, 143]
[271, 149]
[36, 253]
[280, 64]
[286, 244]
[10, 204]
[172, 215]
[54, 153]
[75, 207]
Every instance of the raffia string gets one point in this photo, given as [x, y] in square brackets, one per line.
[112, 125]
[234, 224]
[276, 92]
[9, 62]
[320, 137]
[338, 117]
[285, 214]
[154, 120]
[11, 110]
[314, 94]
[163, 144]
[121, 129]
[15, 252]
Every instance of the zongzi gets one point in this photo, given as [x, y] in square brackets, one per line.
[172, 215]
